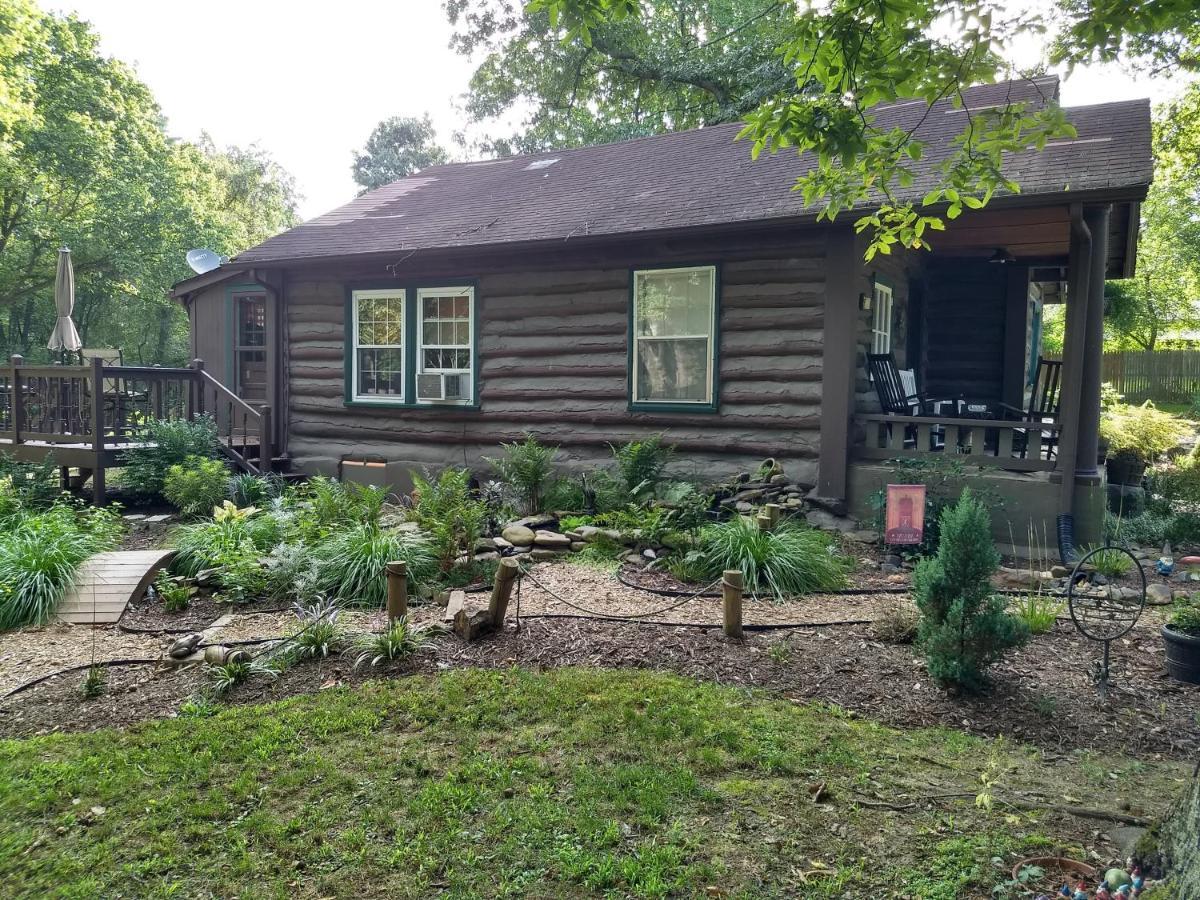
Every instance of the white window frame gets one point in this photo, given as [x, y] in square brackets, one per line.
[710, 356]
[388, 294]
[469, 372]
[881, 319]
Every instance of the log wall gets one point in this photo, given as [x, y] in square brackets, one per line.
[553, 361]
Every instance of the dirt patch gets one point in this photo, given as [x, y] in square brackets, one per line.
[1043, 694]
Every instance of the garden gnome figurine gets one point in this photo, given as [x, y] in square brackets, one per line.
[1065, 891]
[1102, 892]
[1166, 562]
[1081, 892]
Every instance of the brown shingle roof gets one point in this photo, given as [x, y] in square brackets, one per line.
[686, 179]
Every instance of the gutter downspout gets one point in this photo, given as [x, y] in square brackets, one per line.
[1079, 271]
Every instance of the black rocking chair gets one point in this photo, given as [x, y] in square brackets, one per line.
[1042, 407]
[895, 400]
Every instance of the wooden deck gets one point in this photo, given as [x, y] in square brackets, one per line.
[108, 582]
[87, 417]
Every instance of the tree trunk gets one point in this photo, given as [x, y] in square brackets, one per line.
[1173, 845]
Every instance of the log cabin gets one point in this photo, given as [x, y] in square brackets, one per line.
[671, 285]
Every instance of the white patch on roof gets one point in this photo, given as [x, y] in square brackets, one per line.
[541, 164]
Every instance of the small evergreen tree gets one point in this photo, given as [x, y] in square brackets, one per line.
[964, 627]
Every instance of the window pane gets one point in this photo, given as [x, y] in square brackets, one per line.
[380, 372]
[429, 333]
[672, 370]
[462, 307]
[674, 303]
[430, 307]
[462, 333]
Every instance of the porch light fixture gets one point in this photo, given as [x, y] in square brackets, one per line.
[1002, 256]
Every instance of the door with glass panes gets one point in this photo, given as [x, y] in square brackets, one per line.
[252, 349]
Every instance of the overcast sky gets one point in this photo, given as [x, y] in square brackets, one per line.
[308, 86]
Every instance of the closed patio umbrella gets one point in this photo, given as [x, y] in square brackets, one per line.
[64, 337]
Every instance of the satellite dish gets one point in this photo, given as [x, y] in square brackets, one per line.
[202, 260]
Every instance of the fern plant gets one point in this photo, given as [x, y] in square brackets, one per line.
[528, 468]
[641, 465]
[448, 513]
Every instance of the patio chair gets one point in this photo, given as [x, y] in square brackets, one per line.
[898, 396]
[1042, 407]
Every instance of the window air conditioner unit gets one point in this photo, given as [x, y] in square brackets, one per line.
[441, 386]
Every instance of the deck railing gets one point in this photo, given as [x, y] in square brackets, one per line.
[1002, 444]
[110, 407]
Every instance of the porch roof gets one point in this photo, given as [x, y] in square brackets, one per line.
[693, 179]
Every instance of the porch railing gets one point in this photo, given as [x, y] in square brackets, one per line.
[1002, 444]
[105, 407]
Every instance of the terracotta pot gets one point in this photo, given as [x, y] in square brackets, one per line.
[1072, 867]
[1183, 655]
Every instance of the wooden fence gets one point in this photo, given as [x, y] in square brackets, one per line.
[1160, 375]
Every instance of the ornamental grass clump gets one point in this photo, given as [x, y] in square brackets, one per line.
[40, 553]
[399, 641]
[964, 627]
[785, 562]
[350, 564]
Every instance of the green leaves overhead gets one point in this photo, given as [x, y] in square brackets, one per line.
[838, 60]
[397, 147]
[85, 161]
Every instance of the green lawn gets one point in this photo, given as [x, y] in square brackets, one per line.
[569, 784]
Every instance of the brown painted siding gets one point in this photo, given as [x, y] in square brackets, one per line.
[553, 361]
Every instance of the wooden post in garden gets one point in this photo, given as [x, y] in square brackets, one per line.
[18, 398]
[774, 511]
[397, 590]
[731, 602]
[506, 576]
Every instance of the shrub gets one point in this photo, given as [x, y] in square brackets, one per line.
[528, 468]
[1184, 529]
[176, 595]
[1037, 611]
[40, 554]
[206, 545]
[446, 511]
[32, 485]
[399, 641]
[964, 627]
[1142, 432]
[942, 476]
[785, 562]
[169, 443]
[197, 485]
[351, 563]
[332, 504]
[641, 465]
[1147, 530]
[1185, 616]
[255, 490]
[897, 622]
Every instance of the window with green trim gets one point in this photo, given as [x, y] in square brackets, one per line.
[447, 344]
[674, 335]
[378, 338]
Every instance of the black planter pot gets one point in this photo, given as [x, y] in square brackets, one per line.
[1183, 655]
[1125, 469]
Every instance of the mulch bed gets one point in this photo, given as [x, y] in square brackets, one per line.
[1043, 694]
[148, 614]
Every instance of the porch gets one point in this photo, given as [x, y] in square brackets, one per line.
[963, 326]
[87, 417]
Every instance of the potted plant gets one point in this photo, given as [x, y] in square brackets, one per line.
[1137, 436]
[1182, 636]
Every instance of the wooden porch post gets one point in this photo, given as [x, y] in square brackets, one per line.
[838, 361]
[1087, 451]
[1079, 266]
